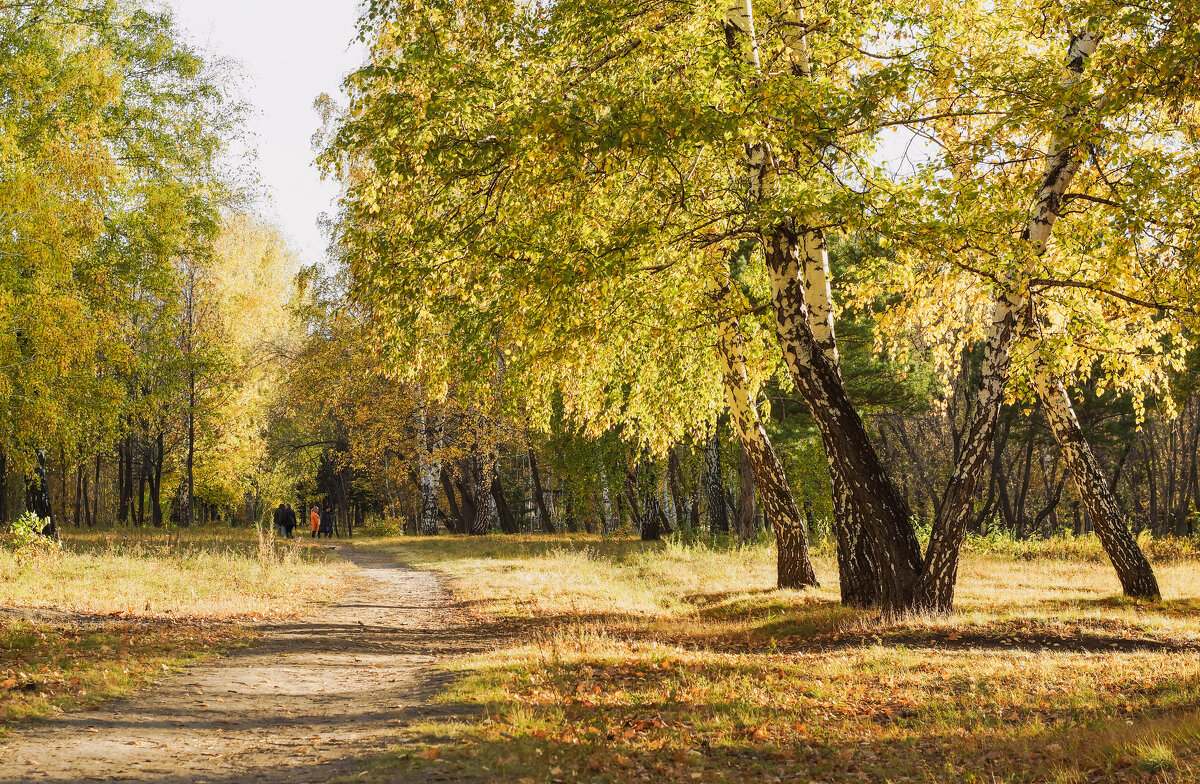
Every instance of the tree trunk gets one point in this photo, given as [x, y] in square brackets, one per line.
[884, 514]
[141, 499]
[746, 507]
[37, 491]
[87, 503]
[718, 521]
[539, 497]
[475, 507]
[456, 514]
[1063, 161]
[635, 510]
[675, 483]
[78, 516]
[96, 493]
[508, 523]
[427, 474]
[3, 487]
[125, 502]
[794, 565]
[156, 516]
[1134, 571]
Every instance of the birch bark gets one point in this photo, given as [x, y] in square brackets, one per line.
[1064, 158]
[885, 516]
[428, 471]
[857, 566]
[795, 569]
[1134, 571]
[714, 490]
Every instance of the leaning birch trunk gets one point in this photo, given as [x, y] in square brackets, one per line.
[795, 568]
[1064, 158]
[1134, 571]
[885, 516]
[857, 567]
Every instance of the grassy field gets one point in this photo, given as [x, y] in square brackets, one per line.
[618, 662]
[115, 609]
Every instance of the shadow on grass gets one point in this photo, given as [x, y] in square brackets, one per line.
[1189, 606]
[820, 625]
[729, 740]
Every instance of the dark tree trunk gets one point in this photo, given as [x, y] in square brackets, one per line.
[88, 520]
[1049, 508]
[78, 516]
[459, 524]
[714, 486]
[96, 493]
[188, 512]
[3, 488]
[156, 515]
[1188, 481]
[476, 513]
[37, 491]
[539, 496]
[746, 505]
[141, 499]
[508, 523]
[675, 482]
[631, 496]
[884, 514]
[124, 488]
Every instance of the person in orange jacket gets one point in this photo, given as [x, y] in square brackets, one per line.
[314, 519]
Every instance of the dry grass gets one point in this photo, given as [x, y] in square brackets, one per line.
[213, 573]
[116, 609]
[624, 662]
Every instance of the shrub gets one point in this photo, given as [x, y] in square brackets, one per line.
[25, 538]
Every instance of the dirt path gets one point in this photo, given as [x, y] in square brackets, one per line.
[308, 703]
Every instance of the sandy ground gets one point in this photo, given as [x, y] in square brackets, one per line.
[310, 702]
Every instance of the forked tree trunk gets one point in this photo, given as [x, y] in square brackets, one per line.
[884, 512]
[1134, 571]
[1063, 161]
[794, 565]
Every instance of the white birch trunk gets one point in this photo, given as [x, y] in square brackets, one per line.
[1134, 571]
[428, 473]
[884, 514]
[795, 568]
[1064, 159]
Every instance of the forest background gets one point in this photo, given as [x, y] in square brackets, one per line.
[554, 304]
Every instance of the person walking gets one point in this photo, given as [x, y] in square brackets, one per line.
[278, 519]
[289, 520]
[326, 524]
[314, 519]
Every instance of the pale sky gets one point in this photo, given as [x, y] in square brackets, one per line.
[289, 51]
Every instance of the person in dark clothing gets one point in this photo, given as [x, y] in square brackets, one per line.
[326, 523]
[278, 519]
[289, 520]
